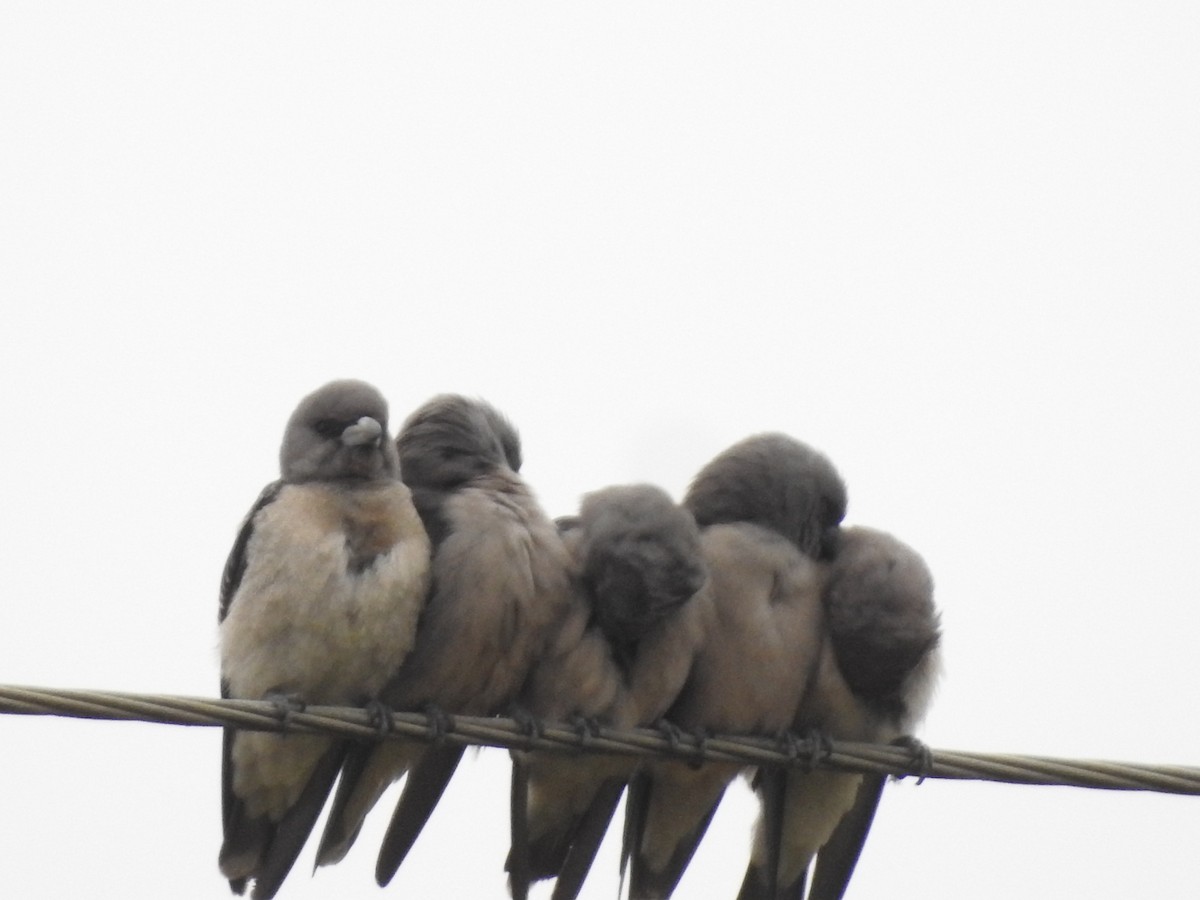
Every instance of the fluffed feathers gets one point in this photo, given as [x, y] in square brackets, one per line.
[620, 660]
[500, 585]
[319, 603]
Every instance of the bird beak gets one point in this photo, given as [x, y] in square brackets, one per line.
[365, 431]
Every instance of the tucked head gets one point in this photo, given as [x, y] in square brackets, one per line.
[452, 439]
[640, 557]
[339, 432]
[777, 482]
[882, 618]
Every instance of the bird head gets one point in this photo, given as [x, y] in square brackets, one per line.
[452, 439]
[339, 433]
[641, 558]
[777, 482]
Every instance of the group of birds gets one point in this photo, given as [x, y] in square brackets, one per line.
[421, 575]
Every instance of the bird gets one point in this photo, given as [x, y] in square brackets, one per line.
[501, 586]
[770, 509]
[319, 603]
[879, 663]
[619, 660]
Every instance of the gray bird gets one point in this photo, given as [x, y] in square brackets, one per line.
[319, 604]
[878, 665]
[619, 660]
[501, 584]
[770, 507]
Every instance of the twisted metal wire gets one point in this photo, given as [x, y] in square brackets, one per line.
[358, 724]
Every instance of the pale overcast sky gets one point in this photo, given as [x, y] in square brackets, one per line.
[952, 245]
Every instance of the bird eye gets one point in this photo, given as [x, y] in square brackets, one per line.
[328, 428]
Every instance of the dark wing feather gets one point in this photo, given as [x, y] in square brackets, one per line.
[548, 853]
[235, 565]
[229, 803]
[293, 830]
[637, 802]
[423, 788]
[586, 840]
[773, 787]
[517, 864]
[233, 818]
[568, 854]
[760, 884]
[335, 834]
[646, 883]
[836, 860]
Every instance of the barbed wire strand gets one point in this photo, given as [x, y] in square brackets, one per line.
[358, 724]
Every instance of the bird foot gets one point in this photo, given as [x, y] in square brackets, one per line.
[818, 747]
[790, 744]
[671, 732]
[700, 736]
[381, 717]
[286, 706]
[922, 756]
[529, 724]
[439, 722]
[586, 727]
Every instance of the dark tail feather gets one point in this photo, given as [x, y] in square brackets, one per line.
[337, 837]
[548, 853]
[518, 854]
[427, 780]
[228, 799]
[836, 860]
[637, 801]
[247, 841]
[293, 830]
[239, 836]
[795, 890]
[772, 789]
[588, 836]
[754, 885]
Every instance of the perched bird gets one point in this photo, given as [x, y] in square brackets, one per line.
[501, 585]
[619, 660]
[319, 604]
[876, 674]
[770, 508]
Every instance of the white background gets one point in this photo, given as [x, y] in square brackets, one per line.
[952, 245]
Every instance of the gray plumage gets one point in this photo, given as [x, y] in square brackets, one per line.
[500, 584]
[319, 604]
[775, 481]
[883, 624]
[878, 666]
[619, 660]
[770, 505]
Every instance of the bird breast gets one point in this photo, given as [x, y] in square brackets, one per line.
[310, 616]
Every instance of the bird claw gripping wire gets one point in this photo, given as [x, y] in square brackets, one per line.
[381, 717]
[439, 723]
[530, 725]
[286, 706]
[790, 744]
[700, 736]
[921, 759]
[586, 728]
[818, 748]
[672, 733]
